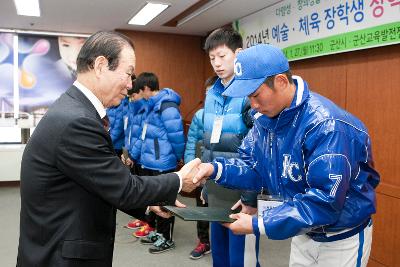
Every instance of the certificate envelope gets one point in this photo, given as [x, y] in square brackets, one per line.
[211, 214]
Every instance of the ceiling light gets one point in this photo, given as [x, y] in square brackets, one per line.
[147, 13]
[27, 7]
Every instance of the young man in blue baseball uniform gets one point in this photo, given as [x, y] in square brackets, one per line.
[313, 157]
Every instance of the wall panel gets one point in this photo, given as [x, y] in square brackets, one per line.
[373, 96]
[324, 75]
[386, 231]
[374, 263]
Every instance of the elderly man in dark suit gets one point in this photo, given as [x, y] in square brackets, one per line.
[72, 181]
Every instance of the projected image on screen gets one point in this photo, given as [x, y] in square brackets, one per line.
[46, 69]
[6, 73]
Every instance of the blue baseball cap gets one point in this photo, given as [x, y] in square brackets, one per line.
[252, 66]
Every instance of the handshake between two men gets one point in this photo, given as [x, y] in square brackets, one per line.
[194, 174]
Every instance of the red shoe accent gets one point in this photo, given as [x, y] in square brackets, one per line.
[199, 251]
[135, 224]
[143, 231]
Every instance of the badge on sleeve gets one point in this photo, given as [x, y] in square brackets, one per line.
[217, 129]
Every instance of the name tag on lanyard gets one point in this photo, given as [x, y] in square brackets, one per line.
[144, 131]
[125, 122]
[217, 129]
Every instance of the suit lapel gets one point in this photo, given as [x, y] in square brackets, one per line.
[75, 93]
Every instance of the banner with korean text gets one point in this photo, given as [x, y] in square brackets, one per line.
[310, 28]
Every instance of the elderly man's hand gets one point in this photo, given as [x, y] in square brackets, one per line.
[205, 170]
[242, 225]
[179, 204]
[160, 212]
[126, 161]
[187, 172]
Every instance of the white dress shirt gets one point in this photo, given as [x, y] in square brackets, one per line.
[92, 98]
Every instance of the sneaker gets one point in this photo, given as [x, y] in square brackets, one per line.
[143, 231]
[199, 251]
[152, 237]
[162, 245]
[135, 224]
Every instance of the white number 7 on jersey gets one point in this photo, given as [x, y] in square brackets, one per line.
[337, 178]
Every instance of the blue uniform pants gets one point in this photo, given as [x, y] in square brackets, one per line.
[230, 250]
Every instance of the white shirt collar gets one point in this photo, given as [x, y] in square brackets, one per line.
[228, 82]
[92, 98]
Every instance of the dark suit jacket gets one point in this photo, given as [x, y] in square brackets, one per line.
[71, 185]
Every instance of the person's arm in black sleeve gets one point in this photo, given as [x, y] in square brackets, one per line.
[90, 161]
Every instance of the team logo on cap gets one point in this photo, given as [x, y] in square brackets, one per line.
[238, 68]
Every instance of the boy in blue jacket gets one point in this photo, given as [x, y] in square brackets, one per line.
[226, 123]
[136, 102]
[157, 144]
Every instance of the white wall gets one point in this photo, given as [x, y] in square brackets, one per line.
[10, 161]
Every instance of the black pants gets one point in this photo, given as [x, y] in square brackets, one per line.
[163, 226]
[203, 227]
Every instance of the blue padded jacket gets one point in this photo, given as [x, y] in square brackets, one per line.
[316, 157]
[135, 143]
[130, 129]
[195, 134]
[160, 146]
[116, 117]
[235, 125]
[234, 128]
